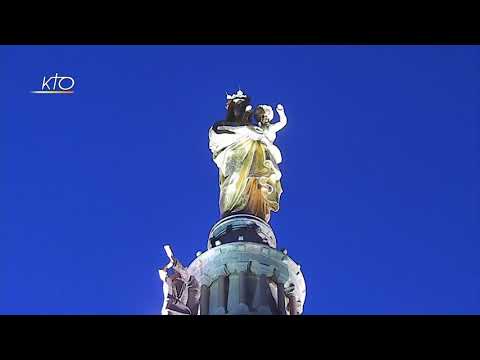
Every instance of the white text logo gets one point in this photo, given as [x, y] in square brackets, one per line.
[56, 85]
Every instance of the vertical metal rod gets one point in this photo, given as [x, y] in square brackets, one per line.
[261, 302]
[204, 300]
[292, 305]
[243, 291]
[222, 292]
[281, 299]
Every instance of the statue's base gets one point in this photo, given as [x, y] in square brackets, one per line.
[243, 273]
[241, 228]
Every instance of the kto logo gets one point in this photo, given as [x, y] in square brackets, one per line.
[56, 85]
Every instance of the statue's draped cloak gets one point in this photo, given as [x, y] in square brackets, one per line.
[248, 173]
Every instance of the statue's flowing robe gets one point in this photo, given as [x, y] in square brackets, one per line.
[248, 172]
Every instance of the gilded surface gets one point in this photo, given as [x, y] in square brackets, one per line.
[248, 160]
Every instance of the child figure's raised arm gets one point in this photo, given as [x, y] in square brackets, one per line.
[283, 119]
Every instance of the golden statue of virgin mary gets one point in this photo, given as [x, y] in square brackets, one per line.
[247, 158]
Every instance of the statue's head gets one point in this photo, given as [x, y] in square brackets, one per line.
[236, 104]
[263, 114]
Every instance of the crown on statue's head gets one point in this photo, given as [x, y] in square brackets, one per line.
[238, 95]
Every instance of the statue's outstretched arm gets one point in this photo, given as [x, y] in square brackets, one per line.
[283, 119]
[174, 263]
[163, 271]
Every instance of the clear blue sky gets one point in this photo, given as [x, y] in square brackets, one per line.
[380, 164]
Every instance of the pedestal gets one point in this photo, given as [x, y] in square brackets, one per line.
[242, 272]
